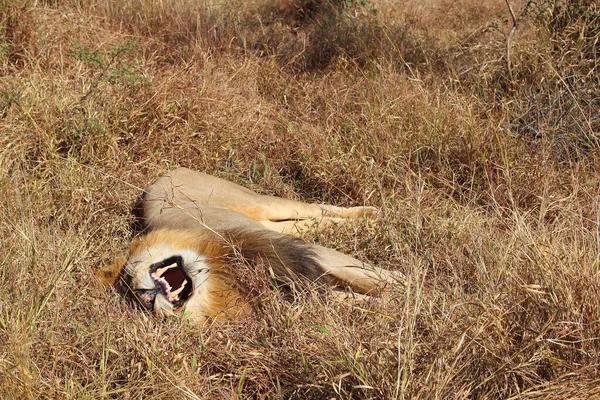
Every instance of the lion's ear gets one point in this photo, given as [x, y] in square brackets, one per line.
[109, 275]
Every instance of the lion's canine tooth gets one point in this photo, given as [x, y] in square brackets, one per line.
[159, 272]
[175, 294]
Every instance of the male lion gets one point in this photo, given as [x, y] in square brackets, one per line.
[197, 230]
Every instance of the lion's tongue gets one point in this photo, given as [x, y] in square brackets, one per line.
[174, 278]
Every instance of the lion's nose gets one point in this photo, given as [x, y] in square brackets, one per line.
[147, 297]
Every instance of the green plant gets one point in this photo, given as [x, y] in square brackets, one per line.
[112, 65]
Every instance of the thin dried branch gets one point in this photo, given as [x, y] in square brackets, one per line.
[509, 36]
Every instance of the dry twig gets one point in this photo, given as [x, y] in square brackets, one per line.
[509, 35]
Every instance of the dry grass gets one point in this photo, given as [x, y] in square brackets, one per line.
[488, 185]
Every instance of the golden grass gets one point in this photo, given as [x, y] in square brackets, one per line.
[489, 191]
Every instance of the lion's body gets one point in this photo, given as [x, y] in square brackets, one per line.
[201, 225]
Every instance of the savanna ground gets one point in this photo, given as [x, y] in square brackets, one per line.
[476, 135]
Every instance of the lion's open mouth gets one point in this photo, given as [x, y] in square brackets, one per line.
[171, 279]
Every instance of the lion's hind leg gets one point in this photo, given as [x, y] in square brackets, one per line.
[348, 212]
[355, 274]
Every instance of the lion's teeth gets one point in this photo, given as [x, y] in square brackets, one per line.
[159, 272]
[175, 294]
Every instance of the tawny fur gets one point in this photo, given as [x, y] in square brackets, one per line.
[187, 212]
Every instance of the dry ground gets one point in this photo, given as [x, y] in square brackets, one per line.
[479, 144]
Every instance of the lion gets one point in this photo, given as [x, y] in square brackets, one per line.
[197, 230]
